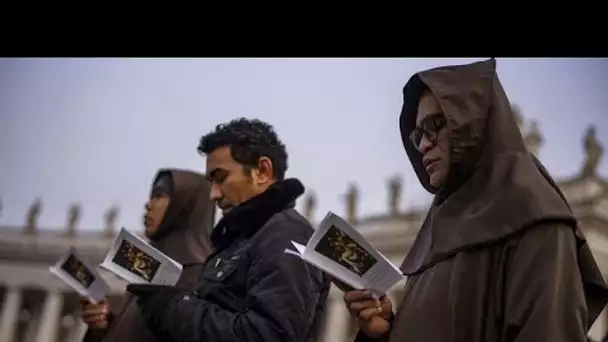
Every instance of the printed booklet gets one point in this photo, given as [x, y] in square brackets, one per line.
[341, 251]
[136, 261]
[80, 274]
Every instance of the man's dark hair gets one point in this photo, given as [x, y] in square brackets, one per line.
[249, 140]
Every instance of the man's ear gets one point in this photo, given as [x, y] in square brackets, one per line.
[264, 173]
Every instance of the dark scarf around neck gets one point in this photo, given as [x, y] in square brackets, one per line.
[247, 218]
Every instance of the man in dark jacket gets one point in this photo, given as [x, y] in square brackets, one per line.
[250, 288]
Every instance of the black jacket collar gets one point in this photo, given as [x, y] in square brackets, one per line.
[247, 218]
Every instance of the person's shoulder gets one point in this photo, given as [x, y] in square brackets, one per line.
[548, 235]
[290, 221]
[286, 225]
[552, 228]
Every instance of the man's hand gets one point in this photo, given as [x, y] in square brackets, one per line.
[154, 300]
[96, 316]
[373, 315]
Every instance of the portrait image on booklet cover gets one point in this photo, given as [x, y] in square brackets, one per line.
[341, 248]
[77, 270]
[136, 261]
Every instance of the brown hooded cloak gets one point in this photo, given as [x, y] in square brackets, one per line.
[500, 256]
[184, 236]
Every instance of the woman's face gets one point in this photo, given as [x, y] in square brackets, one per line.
[156, 207]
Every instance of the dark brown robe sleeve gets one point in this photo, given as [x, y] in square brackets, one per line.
[544, 298]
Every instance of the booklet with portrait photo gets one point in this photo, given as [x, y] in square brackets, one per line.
[342, 252]
[136, 261]
[80, 275]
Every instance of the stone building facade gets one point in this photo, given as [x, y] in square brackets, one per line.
[37, 307]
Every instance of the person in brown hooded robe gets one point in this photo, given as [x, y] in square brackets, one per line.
[180, 229]
[500, 256]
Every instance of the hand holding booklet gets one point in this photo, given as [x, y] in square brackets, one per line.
[137, 262]
[80, 275]
[342, 252]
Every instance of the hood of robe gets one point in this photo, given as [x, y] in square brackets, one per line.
[184, 233]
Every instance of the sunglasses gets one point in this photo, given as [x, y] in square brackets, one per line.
[429, 128]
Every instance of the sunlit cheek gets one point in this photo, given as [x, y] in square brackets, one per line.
[225, 193]
[443, 145]
[163, 208]
[241, 194]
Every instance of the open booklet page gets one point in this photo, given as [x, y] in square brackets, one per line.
[80, 275]
[340, 250]
[136, 261]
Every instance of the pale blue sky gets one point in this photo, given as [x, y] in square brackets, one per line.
[96, 130]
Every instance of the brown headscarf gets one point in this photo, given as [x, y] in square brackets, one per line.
[186, 228]
[184, 236]
[496, 188]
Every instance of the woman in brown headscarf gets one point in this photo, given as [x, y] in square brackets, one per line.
[499, 257]
[178, 220]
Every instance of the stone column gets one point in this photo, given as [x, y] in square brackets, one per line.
[337, 319]
[31, 327]
[50, 317]
[10, 314]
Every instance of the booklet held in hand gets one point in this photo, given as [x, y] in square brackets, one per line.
[136, 261]
[342, 252]
[79, 274]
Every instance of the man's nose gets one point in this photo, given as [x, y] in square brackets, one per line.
[147, 206]
[215, 194]
[425, 145]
